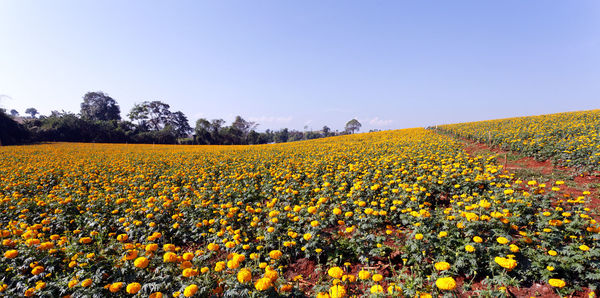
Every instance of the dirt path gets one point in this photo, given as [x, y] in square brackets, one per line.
[527, 168]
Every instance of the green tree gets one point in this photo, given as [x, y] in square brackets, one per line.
[181, 125]
[99, 106]
[32, 112]
[353, 125]
[154, 115]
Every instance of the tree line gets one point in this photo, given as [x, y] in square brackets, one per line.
[150, 122]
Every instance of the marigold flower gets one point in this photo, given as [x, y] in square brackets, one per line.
[11, 254]
[441, 266]
[169, 257]
[469, 248]
[584, 247]
[263, 284]
[275, 254]
[86, 282]
[29, 292]
[377, 277]
[85, 240]
[337, 291]
[557, 283]
[141, 262]
[502, 240]
[244, 275]
[445, 283]
[37, 270]
[115, 287]
[506, 263]
[376, 289]
[335, 272]
[364, 274]
[190, 290]
[133, 288]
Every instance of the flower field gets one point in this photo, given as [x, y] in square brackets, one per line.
[396, 213]
[569, 139]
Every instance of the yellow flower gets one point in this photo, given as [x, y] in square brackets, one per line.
[441, 266]
[337, 291]
[502, 240]
[445, 283]
[335, 272]
[219, 266]
[133, 288]
[189, 272]
[244, 275]
[275, 254]
[477, 239]
[514, 248]
[156, 295]
[152, 247]
[86, 283]
[364, 275]
[37, 270]
[419, 236]
[169, 257]
[29, 292]
[271, 274]
[11, 254]
[469, 248]
[377, 277]
[115, 287]
[552, 252]
[506, 263]
[557, 283]
[263, 284]
[190, 290]
[85, 240]
[307, 236]
[376, 289]
[141, 262]
[584, 247]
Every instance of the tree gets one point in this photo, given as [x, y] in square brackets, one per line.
[353, 125]
[180, 123]
[32, 112]
[14, 113]
[203, 132]
[12, 132]
[242, 125]
[153, 114]
[99, 106]
[326, 130]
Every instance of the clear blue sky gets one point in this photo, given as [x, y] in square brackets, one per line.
[390, 64]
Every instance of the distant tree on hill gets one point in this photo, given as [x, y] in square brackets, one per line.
[99, 106]
[152, 114]
[32, 112]
[12, 132]
[14, 113]
[202, 132]
[353, 125]
[326, 130]
[180, 123]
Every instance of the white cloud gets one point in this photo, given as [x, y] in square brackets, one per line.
[271, 120]
[380, 122]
